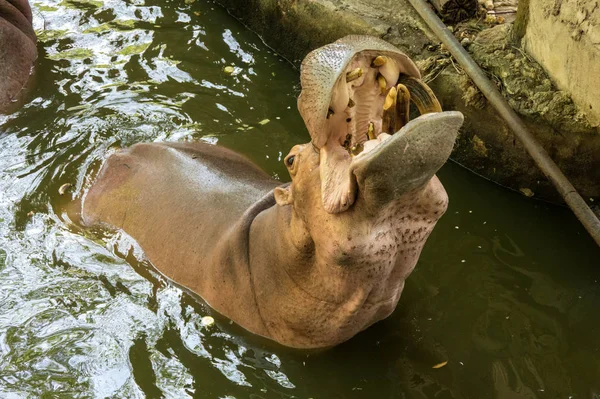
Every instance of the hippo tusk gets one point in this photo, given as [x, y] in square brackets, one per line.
[388, 119]
[421, 95]
[354, 74]
[402, 107]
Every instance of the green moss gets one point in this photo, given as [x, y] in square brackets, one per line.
[520, 24]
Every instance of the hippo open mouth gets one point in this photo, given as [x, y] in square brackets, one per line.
[356, 94]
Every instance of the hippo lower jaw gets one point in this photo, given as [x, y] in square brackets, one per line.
[393, 163]
[391, 166]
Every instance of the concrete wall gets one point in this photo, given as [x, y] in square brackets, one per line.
[564, 37]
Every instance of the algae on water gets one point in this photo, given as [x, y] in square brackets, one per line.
[73, 54]
[47, 35]
[134, 49]
[81, 3]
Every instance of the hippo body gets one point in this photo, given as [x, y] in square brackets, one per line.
[17, 49]
[198, 204]
[312, 263]
[212, 221]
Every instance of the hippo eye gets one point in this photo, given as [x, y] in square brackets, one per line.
[290, 160]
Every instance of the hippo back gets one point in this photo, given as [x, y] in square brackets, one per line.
[17, 49]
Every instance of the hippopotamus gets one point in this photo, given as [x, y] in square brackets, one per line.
[311, 263]
[18, 49]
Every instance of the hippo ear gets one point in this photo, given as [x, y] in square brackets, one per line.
[283, 195]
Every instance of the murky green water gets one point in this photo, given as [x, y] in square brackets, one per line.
[507, 290]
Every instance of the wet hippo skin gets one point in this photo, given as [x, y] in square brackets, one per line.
[275, 258]
[17, 49]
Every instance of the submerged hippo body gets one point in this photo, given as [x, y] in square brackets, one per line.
[276, 259]
[17, 49]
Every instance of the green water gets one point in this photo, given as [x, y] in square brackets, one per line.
[507, 290]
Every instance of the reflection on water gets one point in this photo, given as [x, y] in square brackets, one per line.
[507, 290]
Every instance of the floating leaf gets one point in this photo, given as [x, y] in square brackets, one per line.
[228, 70]
[440, 365]
[63, 189]
[527, 192]
[264, 122]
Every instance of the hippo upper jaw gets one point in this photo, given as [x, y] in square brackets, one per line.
[391, 166]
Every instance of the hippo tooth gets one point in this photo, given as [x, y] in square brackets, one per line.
[356, 149]
[354, 74]
[371, 131]
[402, 107]
[382, 83]
[391, 71]
[388, 122]
[339, 97]
[378, 61]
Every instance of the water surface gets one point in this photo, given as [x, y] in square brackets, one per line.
[507, 290]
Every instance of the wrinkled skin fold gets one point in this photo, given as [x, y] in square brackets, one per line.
[17, 50]
[276, 259]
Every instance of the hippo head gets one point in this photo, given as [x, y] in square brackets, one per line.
[355, 101]
[364, 196]
[356, 92]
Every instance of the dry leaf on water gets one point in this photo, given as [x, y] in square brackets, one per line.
[440, 365]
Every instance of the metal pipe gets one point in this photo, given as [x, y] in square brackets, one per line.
[583, 212]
